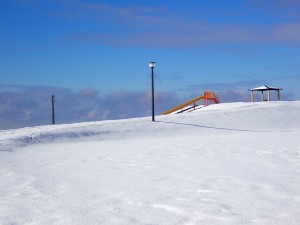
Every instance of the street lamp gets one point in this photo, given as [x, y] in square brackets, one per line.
[152, 65]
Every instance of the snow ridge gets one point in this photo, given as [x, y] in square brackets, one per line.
[247, 117]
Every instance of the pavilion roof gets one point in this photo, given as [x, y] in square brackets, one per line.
[265, 88]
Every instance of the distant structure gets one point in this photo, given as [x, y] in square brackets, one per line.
[265, 88]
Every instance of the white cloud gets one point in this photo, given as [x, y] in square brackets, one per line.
[161, 27]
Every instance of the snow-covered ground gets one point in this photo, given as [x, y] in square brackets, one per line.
[234, 163]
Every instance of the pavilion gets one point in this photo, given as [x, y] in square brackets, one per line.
[265, 88]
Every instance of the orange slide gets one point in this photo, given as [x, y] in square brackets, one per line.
[207, 96]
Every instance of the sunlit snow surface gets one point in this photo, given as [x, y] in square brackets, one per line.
[235, 163]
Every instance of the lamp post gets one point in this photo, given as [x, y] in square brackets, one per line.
[152, 65]
[53, 112]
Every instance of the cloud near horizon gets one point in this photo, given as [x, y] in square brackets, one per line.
[23, 106]
[31, 105]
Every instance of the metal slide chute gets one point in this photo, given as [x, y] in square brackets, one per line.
[208, 96]
[183, 105]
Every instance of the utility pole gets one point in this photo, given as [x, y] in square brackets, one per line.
[53, 112]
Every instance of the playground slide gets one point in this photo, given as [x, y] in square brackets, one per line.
[183, 105]
[208, 96]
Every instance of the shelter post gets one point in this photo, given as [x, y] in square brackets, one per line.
[252, 96]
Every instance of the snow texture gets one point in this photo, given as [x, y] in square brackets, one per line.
[231, 163]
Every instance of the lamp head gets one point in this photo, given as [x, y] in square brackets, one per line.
[151, 64]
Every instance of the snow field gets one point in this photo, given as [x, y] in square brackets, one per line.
[235, 163]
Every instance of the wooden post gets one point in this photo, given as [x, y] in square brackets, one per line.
[252, 97]
[278, 94]
[269, 95]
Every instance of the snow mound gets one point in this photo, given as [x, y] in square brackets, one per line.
[253, 117]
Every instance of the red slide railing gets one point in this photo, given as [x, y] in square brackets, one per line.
[210, 96]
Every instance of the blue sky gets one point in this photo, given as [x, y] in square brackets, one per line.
[70, 47]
